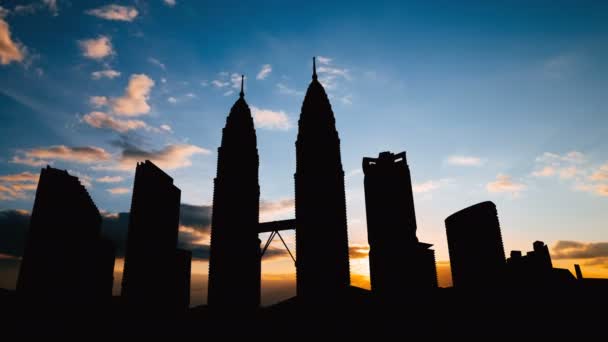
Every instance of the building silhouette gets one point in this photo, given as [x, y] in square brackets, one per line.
[234, 262]
[477, 256]
[397, 260]
[152, 261]
[65, 259]
[535, 269]
[322, 259]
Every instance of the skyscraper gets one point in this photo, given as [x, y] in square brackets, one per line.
[150, 261]
[397, 260]
[234, 263]
[321, 231]
[477, 256]
[65, 258]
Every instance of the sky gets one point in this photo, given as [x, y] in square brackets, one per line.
[501, 101]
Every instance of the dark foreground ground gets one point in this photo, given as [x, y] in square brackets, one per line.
[574, 312]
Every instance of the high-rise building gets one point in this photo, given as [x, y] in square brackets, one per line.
[322, 259]
[397, 260]
[477, 256]
[150, 260]
[234, 262]
[65, 259]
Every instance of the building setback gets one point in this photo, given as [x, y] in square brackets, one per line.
[234, 263]
[477, 256]
[151, 265]
[65, 259]
[322, 259]
[397, 260]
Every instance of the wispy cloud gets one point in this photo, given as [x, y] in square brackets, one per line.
[220, 84]
[83, 155]
[169, 157]
[284, 89]
[460, 160]
[270, 210]
[109, 73]
[429, 186]
[17, 186]
[170, 3]
[270, 119]
[156, 62]
[505, 183]
[97, 48]
[119, 191]
[98, 101]
[114, 12]
[104, 120]
[10, 50]
[109, 179]
[264, 72]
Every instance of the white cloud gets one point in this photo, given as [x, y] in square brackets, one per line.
[171, 99]
[264, 72]
[157, 63]
[98, 101]
[166, 128]
[429, 186]
[235, 79]
[347, 99]
[96, 48]
[323, 60]
[204, 83]
[284, 89]
[134, 101]
[10, 50]
[103, 120]
[505, 183]
[228, 93]
[34, 7]
[114, 12]
[119, 191]
[110, 179]
[568, 172]
[170, 3]
[219, 83]
[109, 73]
[464, 160]
[269, 119]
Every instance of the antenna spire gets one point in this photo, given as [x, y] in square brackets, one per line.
[242, 85]
[314, 68]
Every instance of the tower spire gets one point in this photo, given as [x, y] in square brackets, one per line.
[314, 68]
[242, 93]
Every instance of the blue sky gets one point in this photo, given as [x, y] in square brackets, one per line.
[501, 101]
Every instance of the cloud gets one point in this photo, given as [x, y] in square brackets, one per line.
[170, 3]
[358, 251]
[270, 210]
[596, 189]
[269, 119]
[601, 174]
[96, 48]
[264, 72]
[171, 99]
[29, 161]
[504, 183]
[103, 120]
[98, 101]
[579, 250]
[570, 157]
[546, 171]
[166, 128]
[284, 89]
[52, 6]
[17, 186]
[156, 62]
[119, 191]
[114, 12]
[228, 93]
[219, 83]
[4, 12]
[429, 186]
[323, 60]
[109, 179]
[83, 155]
[170, 157]
[10, 50]
[134, 101]
[235, 79]
[34, 7]
[464, 160]
[96, 75]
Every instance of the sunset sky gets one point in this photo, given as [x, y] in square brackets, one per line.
[500, 101]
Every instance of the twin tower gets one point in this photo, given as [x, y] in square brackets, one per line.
[322, 260]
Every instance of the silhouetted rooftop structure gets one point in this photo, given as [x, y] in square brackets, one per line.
[65, 258]
[477, 256]
[234, 263]
[150, 261]
[397, 260]
[322, 259]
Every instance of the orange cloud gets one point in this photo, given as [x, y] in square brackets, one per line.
[103, 120]
[504, 183]
[84, 155]
[10, 51]
[96, 48]
[134, 101]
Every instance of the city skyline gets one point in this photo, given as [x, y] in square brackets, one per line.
[493, 116]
